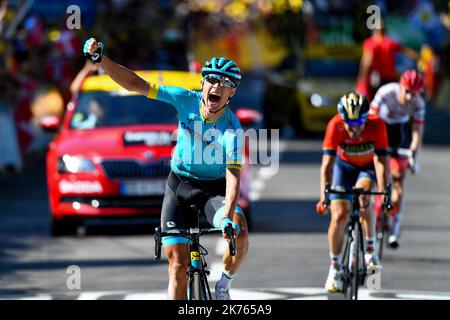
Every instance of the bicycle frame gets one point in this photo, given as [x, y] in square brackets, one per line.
[354, 251]
[198, 286]
[354, 265]
[198, 265]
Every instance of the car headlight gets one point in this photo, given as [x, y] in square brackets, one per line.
[322, 101]
[316, 100]
[74, 164]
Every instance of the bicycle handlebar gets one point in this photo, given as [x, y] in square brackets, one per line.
[189, 234]
[231, 245]
[357, 192]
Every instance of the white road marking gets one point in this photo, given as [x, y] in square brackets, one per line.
[94, 295]
[324, 297]
[305, 291]
[39, 297]
[418, 296]
[250, 294]
[243, 294]
[147, 296]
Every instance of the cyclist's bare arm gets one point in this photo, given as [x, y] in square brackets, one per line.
[232, 177]
[84, 72]
[380, 164]
[326, 173]
[417, 134]
[123, 76]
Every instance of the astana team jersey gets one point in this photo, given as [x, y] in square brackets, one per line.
[204, 149]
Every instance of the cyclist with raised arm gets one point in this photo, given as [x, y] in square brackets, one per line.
[354, 155]
[205, 123]
[397, 103]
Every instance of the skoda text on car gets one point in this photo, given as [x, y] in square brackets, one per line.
[111, 156]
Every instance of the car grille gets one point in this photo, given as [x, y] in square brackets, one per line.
[134, 169]
[118, 202]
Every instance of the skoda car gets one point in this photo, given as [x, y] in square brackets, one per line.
[111, 155]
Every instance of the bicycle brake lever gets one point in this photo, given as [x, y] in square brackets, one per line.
[229, 232]
[157, 238]
[326, 202]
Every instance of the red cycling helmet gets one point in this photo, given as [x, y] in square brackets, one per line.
[412, 80]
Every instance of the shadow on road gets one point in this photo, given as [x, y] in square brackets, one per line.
[288, 216]
[63, 264]
[301, 157]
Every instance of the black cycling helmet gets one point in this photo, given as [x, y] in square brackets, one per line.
[353, 107]
[223, 67]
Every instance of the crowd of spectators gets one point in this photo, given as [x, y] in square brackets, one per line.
[41, 56]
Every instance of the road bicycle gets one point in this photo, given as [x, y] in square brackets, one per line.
[354, 269]
[198, 287]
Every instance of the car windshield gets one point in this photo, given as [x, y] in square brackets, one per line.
[331, 68]
[107, 109]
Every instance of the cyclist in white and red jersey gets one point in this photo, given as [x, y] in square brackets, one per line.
[398, 103]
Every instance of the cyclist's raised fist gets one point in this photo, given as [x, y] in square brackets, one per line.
[93, 50]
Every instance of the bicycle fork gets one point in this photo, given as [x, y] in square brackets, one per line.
[197, 274]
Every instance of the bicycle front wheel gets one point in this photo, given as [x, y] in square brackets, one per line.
[195, 286]
[381, 234]
[355, 275]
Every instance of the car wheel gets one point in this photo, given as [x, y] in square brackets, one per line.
[60, 227]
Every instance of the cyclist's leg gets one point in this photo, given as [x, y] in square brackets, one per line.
[344, 177]
[398, 173]
[340, 209]
[367, 181]
[398, 168]
[215, 210]
[175, 248]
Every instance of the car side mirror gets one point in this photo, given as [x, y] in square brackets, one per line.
[50, 123]
[249, 116]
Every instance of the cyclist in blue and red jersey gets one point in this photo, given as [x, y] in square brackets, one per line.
[205, 124]
[354, 155]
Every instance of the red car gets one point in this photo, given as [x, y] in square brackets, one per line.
[110, 157]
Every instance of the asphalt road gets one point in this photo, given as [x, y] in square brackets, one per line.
[288, 257]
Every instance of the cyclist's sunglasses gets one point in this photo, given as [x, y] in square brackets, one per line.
[224, 82]
[356, 123]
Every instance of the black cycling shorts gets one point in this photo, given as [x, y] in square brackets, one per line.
[182, 192]
[398, 135]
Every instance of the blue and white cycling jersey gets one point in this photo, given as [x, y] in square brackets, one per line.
[204, 149]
